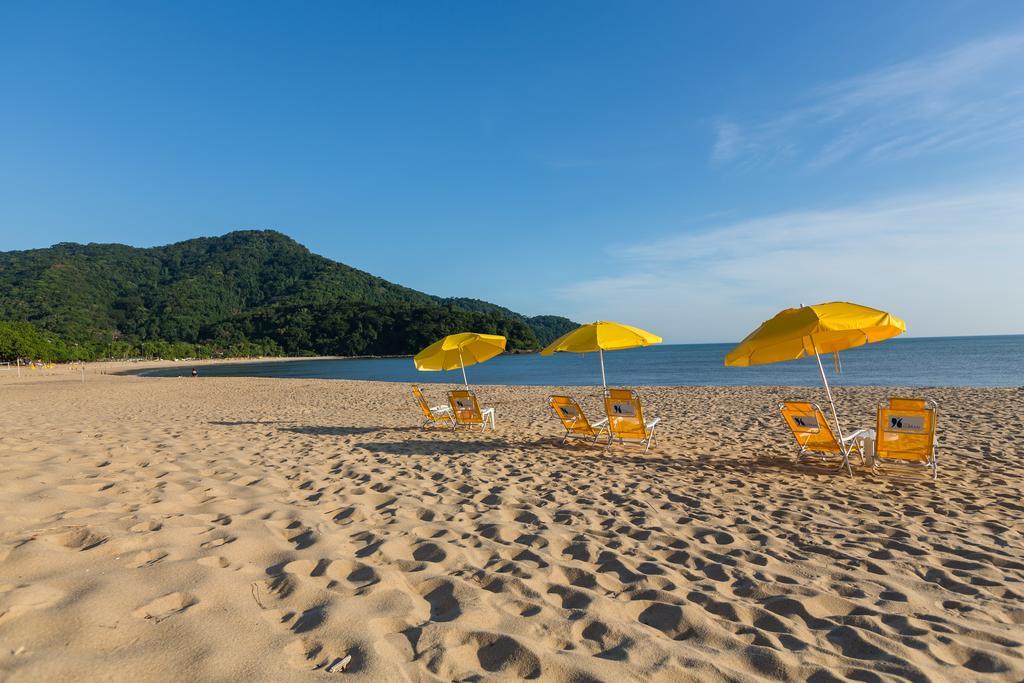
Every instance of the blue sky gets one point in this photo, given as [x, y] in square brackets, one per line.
[688, 167]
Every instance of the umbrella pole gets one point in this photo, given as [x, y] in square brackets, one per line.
[463, 366]
[832, 403]
[603, 383]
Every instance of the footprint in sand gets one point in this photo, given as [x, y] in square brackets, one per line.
[280, 586]
[357, 575]
[216, 542]
[429, 552]
[80, 538]
[165, 606]
[445, 597]
[91, 487]
[146, 558]
[143, 527]
[605, 641]
[309, 654]
[672, 620]
[305, 653]
[215, 561]
[294, 532]
[505, 655]
[312, 568]
[16, 600]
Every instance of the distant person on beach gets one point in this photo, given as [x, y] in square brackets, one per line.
[195, 373]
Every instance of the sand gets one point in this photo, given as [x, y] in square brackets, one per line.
[268, 530]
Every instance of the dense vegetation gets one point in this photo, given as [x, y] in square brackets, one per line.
[246, 293]
[26, 341]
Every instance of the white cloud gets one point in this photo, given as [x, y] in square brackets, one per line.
[949, 263]
[969, 96]
[728, 143]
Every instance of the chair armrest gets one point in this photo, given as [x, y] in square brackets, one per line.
[441, 409]
[602, 421]
[859, 433]
[652, 423]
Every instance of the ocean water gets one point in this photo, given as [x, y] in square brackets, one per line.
[996, 361]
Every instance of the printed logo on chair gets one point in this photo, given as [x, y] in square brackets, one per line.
[569, 411]
[625, 409]
[806, 421]
[906, 423]
[464, 404]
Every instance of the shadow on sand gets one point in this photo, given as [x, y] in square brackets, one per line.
[324, 430]
[448, 443]
[435, 447]
[315, 430]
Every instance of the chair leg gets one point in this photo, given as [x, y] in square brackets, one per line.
[650, 440]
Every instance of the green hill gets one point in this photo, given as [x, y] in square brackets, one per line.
[249, 290]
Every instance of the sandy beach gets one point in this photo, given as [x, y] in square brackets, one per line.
[265, 529]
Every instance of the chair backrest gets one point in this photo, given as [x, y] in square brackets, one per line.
[908, 403]
[906, 433]
[810, 426]
[424, 406]
[465, 407]
[571, 415]
[625, 414]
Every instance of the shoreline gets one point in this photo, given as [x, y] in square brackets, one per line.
[138, 369]
[914, 367]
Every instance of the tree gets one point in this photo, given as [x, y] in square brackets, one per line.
[244, 290]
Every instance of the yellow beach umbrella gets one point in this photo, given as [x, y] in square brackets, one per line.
[601, 336]
[456, 351]
[811, 331]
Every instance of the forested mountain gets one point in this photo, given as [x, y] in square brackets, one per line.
[258, 291]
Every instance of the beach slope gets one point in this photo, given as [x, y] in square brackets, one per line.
[262, 529]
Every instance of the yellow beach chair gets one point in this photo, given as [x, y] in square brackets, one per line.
[575, 421]
[626, 418]
[467, 411]
[905, 436]
[433, 414]
[815, 437]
